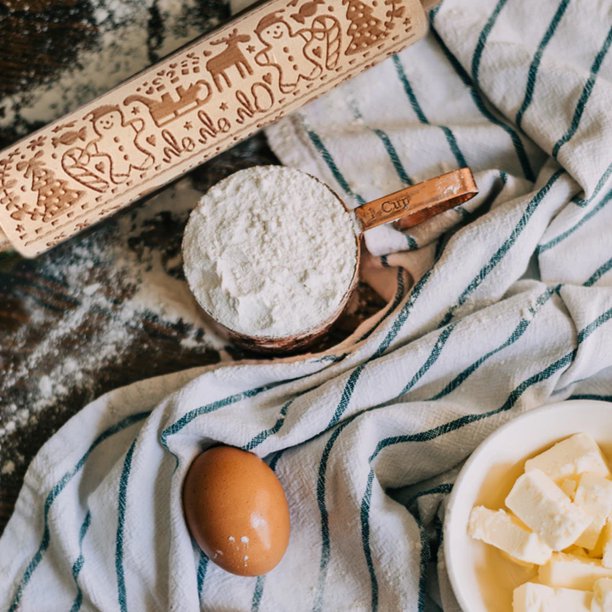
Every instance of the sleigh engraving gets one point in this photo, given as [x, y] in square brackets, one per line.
[166, 108]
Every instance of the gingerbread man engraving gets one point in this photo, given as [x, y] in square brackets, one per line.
[297, 55]
[109, 157]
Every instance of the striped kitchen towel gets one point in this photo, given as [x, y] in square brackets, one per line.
[496, 307]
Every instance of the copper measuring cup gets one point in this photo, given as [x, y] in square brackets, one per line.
[407, 207]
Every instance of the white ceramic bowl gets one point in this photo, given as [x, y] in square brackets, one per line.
[481, 577]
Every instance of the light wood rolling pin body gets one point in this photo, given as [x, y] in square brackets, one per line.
[188, 108]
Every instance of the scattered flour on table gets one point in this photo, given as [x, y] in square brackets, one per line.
[270, 251]
[123, 46]
[111, 296]
[61, 338]
[8, 468]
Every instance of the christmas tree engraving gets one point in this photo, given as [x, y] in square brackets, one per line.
[365, 29]
[53, 194]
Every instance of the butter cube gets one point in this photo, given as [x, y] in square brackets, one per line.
[572, 572]
[570, 457]
[606, 539]
[532, 597]
[602, 596]
[594, 496]
[544, 507]
[500, 529]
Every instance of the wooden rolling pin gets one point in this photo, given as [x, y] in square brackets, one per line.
[189, 107]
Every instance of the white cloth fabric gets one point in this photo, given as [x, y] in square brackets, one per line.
[511, 308]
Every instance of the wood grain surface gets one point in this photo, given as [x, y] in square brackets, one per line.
[49, 340]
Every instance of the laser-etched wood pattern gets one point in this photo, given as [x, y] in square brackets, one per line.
[188, 108]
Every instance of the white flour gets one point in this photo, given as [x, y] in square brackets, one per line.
[269, 251]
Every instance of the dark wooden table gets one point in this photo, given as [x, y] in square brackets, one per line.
[55, 355]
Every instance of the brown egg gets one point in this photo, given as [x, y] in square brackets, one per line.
[236, 510]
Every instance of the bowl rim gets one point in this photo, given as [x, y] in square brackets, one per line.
[466, 471]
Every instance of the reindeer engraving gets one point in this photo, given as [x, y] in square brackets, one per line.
[230, 56]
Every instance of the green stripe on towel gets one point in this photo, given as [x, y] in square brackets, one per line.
[584, 96]
[78, 564]
[537, 58]
[418, 110]
[481, 105]
[121, 510]
[56, 490]
[561, 237]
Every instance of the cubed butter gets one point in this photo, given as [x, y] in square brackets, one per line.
[572, 572]
[602, 596]
[500, 529]
[544, 507]
[594, 496]
[532, 597]
[570, 457]
[606, 540]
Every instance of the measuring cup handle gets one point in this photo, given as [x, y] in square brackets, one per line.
[417, 203]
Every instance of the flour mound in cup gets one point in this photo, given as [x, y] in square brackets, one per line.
[270, 252]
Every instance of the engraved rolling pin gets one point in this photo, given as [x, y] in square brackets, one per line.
[188, 108]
